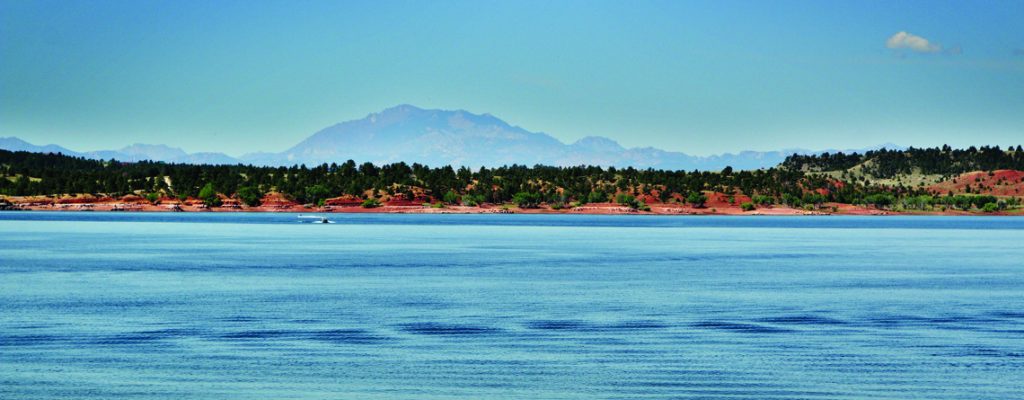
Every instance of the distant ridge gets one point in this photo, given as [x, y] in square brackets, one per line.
[443, 137]
[135, 152]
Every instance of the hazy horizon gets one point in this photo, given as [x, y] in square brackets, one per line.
[130, 144]
[700, 78]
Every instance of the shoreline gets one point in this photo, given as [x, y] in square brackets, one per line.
[588, 209]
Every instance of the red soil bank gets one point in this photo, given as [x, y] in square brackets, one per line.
[1004, 182]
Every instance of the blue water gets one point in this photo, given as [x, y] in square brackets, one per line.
[257, 306]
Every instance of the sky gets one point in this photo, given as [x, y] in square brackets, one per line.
[692, 76]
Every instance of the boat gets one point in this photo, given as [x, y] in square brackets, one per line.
[317, 219]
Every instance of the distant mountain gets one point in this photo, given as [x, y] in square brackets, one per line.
[15, 144]
[159, 152]
[433, 137]
[135, 152]
[442, 137]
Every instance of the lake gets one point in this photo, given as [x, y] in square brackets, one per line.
[222, 305]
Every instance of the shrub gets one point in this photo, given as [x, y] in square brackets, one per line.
[762, 200]
[626, 200]
[370, 203]
[747, 206]
[814, 198]
[317, 193]
[209, 196]
[153, 197]
[990, 207]
[472, 200]
[919, 202]
[597, 196]
[880, 200]
[451, 197]
[526, 199]
[981, 201]
[791, 200]
[697, 199]
[249, 195]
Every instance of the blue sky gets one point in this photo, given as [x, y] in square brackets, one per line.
[697, 77]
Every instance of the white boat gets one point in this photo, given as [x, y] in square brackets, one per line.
[316, 219]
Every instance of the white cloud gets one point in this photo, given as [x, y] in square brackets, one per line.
[904, 40]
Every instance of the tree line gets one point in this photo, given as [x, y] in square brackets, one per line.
[795, 182]
[886, 163]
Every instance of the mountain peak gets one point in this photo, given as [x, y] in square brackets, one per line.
[12, 143]
[598, 143]
[401, 108]
[12, 140]
[142, 151]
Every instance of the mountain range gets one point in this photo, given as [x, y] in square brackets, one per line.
[135, 152]
[442, 137]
